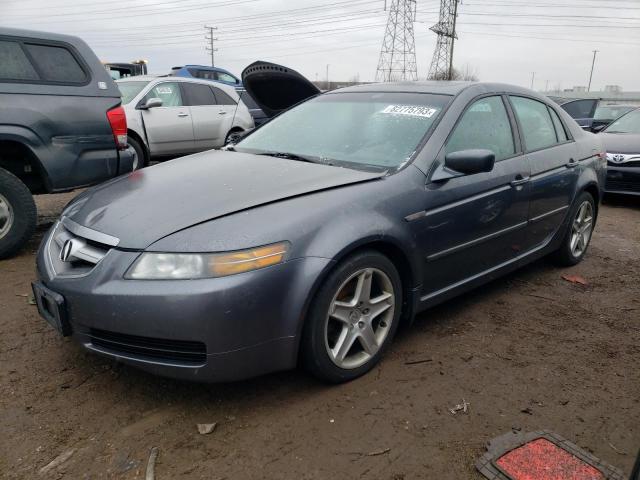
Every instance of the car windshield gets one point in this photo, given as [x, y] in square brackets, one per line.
[130, 89]
[629, 123]
[610, 112]
[357, 130]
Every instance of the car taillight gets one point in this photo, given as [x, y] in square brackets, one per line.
[118, 122]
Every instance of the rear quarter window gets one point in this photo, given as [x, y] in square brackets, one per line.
[222, 97]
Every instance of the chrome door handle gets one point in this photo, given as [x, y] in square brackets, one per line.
[572, 163]
[520, 180]
[222, 112]
[183, 114]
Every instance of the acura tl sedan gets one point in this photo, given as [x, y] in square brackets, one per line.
[314, 237]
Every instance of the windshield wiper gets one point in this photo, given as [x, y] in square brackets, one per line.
[294, 156]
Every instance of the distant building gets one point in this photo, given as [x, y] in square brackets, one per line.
[613, 89]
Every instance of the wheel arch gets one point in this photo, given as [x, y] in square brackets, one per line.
[136, 136]
[18, 156]
[387, 247]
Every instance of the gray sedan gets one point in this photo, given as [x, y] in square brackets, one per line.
[313, 238]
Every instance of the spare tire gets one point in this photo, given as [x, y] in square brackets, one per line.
[18, 214]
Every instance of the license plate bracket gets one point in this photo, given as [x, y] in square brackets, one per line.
[51, 307]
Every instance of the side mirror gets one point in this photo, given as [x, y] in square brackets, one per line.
[151, 103]
[469, 162]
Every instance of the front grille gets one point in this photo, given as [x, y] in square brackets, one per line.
[84, 253]
[622, 185]
[169, 351]
[628, 163]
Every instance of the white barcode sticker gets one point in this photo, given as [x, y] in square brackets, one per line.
[412, 110]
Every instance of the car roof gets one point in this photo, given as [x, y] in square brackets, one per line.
[438, 87]
[20, 32]
[203, 67]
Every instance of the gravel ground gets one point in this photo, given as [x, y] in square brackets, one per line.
[527, 352]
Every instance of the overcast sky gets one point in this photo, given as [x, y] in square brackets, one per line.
[501, 40]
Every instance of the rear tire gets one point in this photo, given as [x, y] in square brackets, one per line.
[353, 318]
[582, 220]
[141, 154]
[18, 214]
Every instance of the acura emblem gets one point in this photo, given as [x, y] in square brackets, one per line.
[67, 251]
[617, 158]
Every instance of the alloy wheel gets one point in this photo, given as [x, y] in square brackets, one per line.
[581, 229]
[6, 216]
[359, 318]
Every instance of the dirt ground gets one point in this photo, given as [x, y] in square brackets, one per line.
[527, 352]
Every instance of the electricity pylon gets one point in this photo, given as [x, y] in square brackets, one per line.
[398, 53]
[442, 62]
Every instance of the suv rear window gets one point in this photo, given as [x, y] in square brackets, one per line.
[39, 63]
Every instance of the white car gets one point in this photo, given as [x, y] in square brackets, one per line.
[169, 116]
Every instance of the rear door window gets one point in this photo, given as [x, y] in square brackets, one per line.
[14, 64]
[225, 77]
[536, 124]
[198, 94]
[485, 125]
[222, 97]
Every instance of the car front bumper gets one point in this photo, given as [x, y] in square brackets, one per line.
[209, 330]
[623, 180]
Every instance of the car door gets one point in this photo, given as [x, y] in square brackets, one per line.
[227, 110]
[207, 117]
[553, 157]
[168, 127]
[475, 223]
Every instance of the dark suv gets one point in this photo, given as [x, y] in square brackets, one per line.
[61, 125]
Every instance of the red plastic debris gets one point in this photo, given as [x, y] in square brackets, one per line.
[575, 279]
[542, 460]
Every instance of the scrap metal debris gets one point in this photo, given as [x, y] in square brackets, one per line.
[416, 362]
[59, 460]
[206, 428]
[151, 465]
[378, 452]
[461, 407]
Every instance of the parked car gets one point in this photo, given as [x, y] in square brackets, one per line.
[61, 125]
[590, 114]
[207, 73]
[169, 116]
[622, 143]
[317, 234]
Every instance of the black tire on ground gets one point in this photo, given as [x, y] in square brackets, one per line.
[315, 345]
[141, 154]
[564, 256]
[18, 214]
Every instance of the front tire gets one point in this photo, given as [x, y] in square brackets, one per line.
[582, 220]
[18, 214]
[353, 318]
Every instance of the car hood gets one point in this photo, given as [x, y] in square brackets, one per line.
[275, 88]
[147, 205]
[621, 142]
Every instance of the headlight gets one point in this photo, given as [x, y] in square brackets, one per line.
[183, 266]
